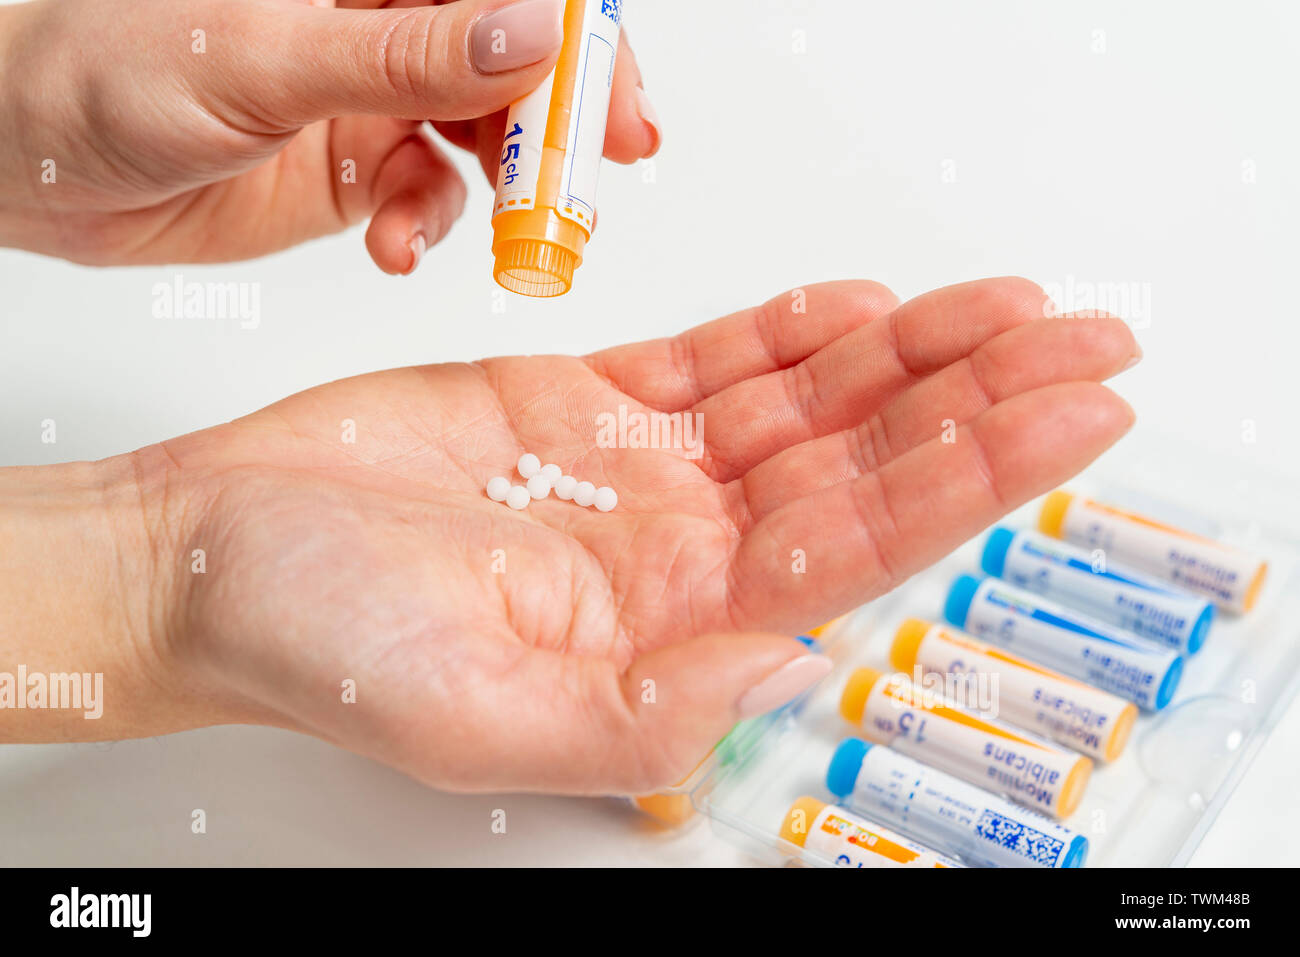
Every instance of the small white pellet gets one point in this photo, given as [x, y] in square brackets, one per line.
[605, 498]
[552, 472]
[498, 488]
[565, 487]
[518, 498]
[529, 465]
[584, 494]
[539, 486]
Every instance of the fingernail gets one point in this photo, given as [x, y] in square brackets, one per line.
[650, 118]
[417, 245]
[1133, 360]
[787, 682]
[517, 35]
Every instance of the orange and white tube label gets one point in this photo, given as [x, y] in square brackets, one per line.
[840, 836]
[1229, 577]
[937, 731]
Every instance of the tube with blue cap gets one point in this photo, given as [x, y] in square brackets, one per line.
[1115, 595]
[1070, 642]
[945, 813]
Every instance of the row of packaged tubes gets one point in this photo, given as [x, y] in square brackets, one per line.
[1040, 669]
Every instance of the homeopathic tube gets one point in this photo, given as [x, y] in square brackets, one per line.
[545, 207]
[1112, 593]
[892, 711]
[850, 841]
[1229, 577]
[1030, 696]
[1042, 630]
[946, 813]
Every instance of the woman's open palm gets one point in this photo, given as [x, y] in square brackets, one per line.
[349, 550]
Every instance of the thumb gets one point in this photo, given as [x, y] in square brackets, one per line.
[686, 697]
[293, 65]
[645, 729]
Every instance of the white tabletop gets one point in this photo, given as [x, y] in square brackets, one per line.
[1096, 148]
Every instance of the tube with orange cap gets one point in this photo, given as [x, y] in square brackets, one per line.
[545, 207]
[839, 836]
[1069, 712]
[1231, 578]
[891, 711]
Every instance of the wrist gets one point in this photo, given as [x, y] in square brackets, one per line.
[90, 591]
[16, 171]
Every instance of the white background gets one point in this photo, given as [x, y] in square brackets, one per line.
[916, 143]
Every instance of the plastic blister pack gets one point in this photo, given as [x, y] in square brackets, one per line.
[1152, 805]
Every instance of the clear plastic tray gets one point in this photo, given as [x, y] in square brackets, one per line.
[1152, 806]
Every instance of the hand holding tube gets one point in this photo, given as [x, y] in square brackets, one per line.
[150, 131]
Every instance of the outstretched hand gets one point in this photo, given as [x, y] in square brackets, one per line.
[494, 649]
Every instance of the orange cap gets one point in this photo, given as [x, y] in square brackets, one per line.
[536, 251]
[799, 819]
[821, 629]
[854, 700]
[907, 643]
[1076, 782]
[1051, 520]
[671, 809]
[1120, 733]
[1256, 586]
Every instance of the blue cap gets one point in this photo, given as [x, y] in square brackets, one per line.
[842, 775]
[1077, 853]
[1200, 630]
[994, 559]
[962, 593]
[1169, 684]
